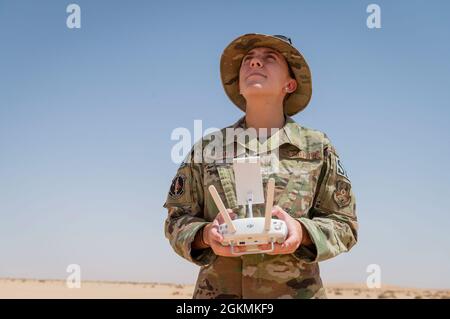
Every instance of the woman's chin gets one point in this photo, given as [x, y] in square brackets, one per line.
[255, 89]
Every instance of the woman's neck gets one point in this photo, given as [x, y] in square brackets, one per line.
[263, 114]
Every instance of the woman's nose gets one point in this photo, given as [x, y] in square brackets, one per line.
[256, 63]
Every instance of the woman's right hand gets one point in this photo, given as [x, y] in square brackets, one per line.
[213, 238]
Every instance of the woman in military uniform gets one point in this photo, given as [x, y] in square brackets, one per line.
[267, 78]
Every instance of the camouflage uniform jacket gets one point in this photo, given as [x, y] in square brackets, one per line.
[310, 184]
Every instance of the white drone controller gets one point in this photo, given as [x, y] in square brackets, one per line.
[253, 231]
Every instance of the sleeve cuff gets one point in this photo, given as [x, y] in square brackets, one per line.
[312, 253]
[200, 257]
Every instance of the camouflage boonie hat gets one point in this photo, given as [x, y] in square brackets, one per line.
[230, 64]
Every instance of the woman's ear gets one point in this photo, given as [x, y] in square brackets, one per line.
[291, 86]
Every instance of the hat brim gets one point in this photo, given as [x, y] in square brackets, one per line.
[230, 64]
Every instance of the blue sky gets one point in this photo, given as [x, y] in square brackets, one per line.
[86, 116]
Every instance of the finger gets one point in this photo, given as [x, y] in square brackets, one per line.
[276, 208]
[277, 250]
[219, 219]
[225, 251]
[291, 244]
[217, 245]
[288, 244]
[230, 212]
[278, 212]
[218, 248]
[284, 249]
[265, 246]
[215, 235]
[233, 215]
[294, 233]
[292, 238]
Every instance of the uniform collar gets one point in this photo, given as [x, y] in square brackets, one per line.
[288, 134]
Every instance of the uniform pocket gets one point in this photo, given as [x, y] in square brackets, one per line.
[222, 177]
[302, 171]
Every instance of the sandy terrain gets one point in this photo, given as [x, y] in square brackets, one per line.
[27, 288]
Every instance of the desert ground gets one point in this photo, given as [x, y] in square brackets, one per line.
[45, 289]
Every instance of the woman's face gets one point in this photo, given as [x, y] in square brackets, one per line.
[264, 72]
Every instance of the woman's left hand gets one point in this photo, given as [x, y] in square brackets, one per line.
[294, 236]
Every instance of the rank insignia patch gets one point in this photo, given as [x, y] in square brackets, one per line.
[177, 186]
[342, 195]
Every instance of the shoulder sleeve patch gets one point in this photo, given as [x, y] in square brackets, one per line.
[180, 190]
[177, 188]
